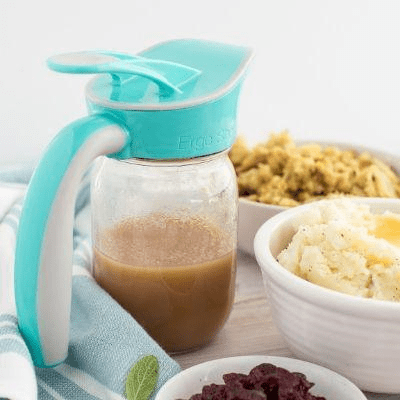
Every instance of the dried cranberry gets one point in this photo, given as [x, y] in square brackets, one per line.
[264, 382]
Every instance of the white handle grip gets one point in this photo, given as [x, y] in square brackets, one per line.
[43, 264]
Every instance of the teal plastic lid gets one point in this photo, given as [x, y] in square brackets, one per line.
[178, 99]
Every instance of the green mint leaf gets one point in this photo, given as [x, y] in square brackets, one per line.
[142, 379]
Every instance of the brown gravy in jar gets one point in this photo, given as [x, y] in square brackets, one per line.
[175, 276]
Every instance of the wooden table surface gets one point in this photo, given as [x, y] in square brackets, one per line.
[250, 329]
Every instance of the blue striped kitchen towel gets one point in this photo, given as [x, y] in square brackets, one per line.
[105, 341]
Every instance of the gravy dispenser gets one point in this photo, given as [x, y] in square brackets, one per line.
[163, 196]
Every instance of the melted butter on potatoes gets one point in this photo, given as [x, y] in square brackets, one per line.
[343, 246]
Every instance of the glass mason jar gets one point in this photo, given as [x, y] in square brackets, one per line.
[164, 241]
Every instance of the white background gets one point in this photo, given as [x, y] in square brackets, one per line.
[323, 69]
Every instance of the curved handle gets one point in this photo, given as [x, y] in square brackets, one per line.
[43, 259]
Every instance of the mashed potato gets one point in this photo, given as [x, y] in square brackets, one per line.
[281, 173]
[341, 245]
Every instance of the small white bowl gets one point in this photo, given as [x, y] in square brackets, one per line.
[190, 381]
[252, 214]
[356, 337]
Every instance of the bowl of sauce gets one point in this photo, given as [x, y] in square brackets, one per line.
[326, 383]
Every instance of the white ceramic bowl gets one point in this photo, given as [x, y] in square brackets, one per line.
[190, 381]
[252, 214]
[356, 337]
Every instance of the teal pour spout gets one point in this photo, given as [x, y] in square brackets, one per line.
[167, 75]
